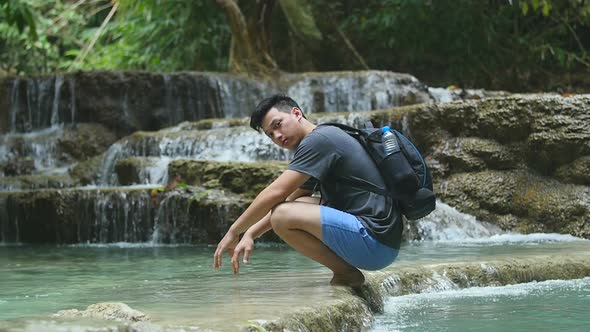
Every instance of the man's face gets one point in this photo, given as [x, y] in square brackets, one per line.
[283, 128]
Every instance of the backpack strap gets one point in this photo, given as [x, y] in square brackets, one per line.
[347, 129]
[362, 137]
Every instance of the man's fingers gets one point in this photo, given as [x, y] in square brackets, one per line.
[217, 259]
[235, 261]
[247, 252]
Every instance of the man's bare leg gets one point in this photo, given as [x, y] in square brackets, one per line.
[299, 224]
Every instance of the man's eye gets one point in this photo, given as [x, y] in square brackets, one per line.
[278, 124]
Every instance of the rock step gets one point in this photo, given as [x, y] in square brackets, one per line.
[354, 309]
[32, 182]
[129, 214]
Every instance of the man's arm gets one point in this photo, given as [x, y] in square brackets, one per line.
[272, 195]
[263, 226]
[277, 192]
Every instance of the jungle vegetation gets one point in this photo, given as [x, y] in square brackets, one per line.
[517, 45]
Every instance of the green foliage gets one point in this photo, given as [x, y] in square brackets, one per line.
[43, 36]
[498, 44]
[19, 13]
[35, 35]
[163, 36]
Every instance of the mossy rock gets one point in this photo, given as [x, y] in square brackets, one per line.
[468, 154]
[85, 140]
[577, 172]
[131, 170]
[31, 182]
[541, 204]
[214, 123]
[88, 171]
[247, 179]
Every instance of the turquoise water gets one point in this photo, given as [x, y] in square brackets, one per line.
[174, 285]
[177, 286]
[554, 305]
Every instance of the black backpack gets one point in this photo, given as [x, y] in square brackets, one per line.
[405, 173]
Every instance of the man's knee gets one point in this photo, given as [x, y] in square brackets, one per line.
[278, 215]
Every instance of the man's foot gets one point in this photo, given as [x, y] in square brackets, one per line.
[354, 278]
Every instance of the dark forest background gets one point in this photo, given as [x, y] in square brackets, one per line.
[526, 45]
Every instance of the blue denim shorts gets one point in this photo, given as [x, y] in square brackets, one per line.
[347, 237]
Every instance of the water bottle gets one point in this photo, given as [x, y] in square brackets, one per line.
[399, 174]
[389, 141]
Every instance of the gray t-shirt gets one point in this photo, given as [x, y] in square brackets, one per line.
[331, 156]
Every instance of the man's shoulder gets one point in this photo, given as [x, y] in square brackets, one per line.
[329, 132]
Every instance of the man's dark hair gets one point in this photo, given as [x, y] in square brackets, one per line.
[282, 103]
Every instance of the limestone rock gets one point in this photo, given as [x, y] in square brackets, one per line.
[85, 140]
[541, 204]
[117, 311]
[577, 172]
[242, 178]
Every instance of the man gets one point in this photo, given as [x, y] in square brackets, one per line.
[351, 229]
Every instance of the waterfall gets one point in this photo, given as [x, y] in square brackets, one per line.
[446, 224]
[72, 85]
[40, 146]
[171, 100]
[59, 79]
[14, 104]
[220, 144]
[125, 101]
[348, 92]
[172, 221]
[111, 156]
[155, 172]
[114, 216]
[40, 106]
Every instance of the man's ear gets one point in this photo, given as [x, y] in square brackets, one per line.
[297, 112]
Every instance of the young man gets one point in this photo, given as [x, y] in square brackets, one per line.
[351, 229]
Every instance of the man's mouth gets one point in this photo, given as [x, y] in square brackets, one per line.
[284, 142]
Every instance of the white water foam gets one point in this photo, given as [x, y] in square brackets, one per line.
[447, 225]
[393, 303]
[533, 238]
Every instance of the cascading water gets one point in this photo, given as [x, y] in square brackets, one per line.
[446, 224]
[40, 146]
[344, 92]
[59, 80]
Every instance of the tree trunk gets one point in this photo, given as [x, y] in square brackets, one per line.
[250, 45]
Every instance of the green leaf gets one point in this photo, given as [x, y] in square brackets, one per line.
[72, 53]
[525, 8]
[546, 8]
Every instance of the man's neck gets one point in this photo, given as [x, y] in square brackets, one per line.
[308, 127]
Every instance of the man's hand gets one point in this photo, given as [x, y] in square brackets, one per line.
[245, 246]
[228, 243]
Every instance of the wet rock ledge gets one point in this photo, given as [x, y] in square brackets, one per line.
[354, 310]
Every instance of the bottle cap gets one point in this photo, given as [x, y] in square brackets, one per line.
[385, 129]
